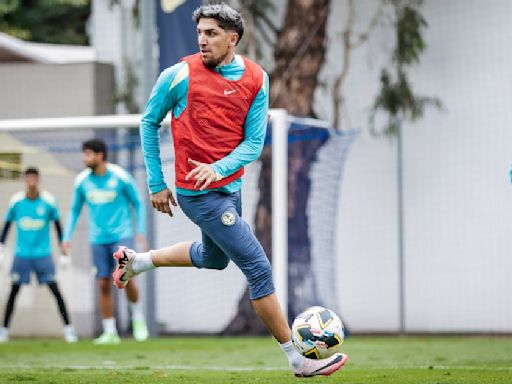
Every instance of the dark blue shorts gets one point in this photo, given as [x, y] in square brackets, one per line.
[102, 259]
[22, 267]
[225, 237]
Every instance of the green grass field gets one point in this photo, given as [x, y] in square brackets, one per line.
[256, 360]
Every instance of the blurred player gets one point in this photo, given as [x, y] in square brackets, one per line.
[32, 211]
[219, 104]
[108, 190]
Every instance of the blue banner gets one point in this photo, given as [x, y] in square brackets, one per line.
[176, 30]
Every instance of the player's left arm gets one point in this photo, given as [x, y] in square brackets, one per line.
[55, 217]
[64, 260]
[60, 235]
[247, 151]
[255, 129]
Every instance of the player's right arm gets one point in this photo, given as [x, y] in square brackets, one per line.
[9, 218]
[3, 236]
[5, 231]
[73, 214]
[165, 96]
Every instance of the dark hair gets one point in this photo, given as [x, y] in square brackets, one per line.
[96, 145]
[31, 171]
[228, 18]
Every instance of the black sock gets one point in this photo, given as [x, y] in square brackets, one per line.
[62, 307]
[10, 304]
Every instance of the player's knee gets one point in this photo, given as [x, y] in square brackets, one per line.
[260, 283]
[104, 286]
[209, 258]
[218, 263]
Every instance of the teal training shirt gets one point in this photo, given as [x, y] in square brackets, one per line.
[170, 93]
[108, 198]
[32, 218]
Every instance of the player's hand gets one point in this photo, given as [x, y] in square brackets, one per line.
[160, 201]
[141, 239]
[64, 250]
[65, 247]
[203, 174]
[64, 261]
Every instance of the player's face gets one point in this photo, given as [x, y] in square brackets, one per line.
[31, 181]
[214, 42]
[92, 159]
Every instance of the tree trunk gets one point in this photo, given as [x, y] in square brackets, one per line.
[299, 55]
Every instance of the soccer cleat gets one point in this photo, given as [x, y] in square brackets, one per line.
[4, 335]
[323, 367]
[124, 271]
[70, 338]
[140, 330]
[70, 335]
[107, 338]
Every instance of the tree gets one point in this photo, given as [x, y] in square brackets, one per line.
[46, 21]
[299, 53]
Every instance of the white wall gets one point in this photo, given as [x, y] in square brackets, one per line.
[458, 202]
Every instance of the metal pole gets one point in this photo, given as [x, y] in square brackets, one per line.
[280, 205]
[400, 205]
[148, 21]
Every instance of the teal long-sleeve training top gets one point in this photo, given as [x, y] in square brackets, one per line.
[170, 94]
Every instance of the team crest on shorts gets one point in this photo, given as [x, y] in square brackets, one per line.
[228, 219]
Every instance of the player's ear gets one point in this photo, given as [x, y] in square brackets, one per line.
[233, 38]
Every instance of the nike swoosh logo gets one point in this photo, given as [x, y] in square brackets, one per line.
[335, 361]
[226, 92]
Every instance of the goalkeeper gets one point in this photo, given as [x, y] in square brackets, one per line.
[32, 210]
[219, 104]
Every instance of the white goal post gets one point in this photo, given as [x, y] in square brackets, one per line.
[279, 119]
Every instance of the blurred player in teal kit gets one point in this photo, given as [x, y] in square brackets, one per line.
[108, 191]
[219, 106]
[32, 210]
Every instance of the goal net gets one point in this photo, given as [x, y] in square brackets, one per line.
[304, 198]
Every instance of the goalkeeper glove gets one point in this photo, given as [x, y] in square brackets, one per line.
[64, 261]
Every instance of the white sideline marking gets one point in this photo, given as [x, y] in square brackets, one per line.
[142, 367]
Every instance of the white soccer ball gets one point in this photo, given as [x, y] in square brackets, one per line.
[317, 333]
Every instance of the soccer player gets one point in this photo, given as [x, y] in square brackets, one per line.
[32, 210]
[108, 190]
[219, 104]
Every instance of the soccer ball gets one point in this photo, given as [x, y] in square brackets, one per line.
[317, 333]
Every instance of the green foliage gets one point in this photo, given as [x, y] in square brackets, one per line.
[135, 10]
[396, 97]
[46, 21]
[126, 96]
